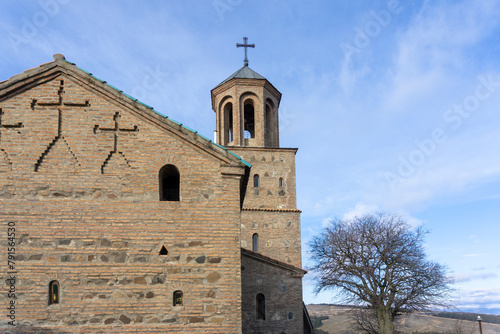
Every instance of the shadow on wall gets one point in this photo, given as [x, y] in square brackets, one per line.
[30, 329]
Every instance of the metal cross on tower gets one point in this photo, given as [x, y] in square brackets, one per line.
[245, 45]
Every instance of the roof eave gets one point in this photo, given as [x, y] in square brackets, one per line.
[34, 76]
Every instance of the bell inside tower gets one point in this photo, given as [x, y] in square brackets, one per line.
[249, 119]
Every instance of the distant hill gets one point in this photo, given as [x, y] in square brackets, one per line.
[493, 319]
[336, 319]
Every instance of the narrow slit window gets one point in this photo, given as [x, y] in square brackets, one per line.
[268, 129]
[281, 182]
[261, 306]
[53, 292]
[169, 180]
[178, 298]
[255, 242]
[256, 181]
[228, 123]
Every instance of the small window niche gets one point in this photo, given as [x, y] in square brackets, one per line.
[178, 298]
[255, 242]
[54, 289]
[281, 182]
[256, 181]
[169, 181]
[163, 250]
[261, 306]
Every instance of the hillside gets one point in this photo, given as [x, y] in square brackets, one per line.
[340, 322]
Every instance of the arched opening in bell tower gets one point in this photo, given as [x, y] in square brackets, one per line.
[269, 124]
[228, 123]
[249, 119]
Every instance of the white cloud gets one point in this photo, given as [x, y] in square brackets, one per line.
[360, 210]
[460, 278]
[478, 297]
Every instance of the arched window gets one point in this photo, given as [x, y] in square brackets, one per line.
[255, 242]
[169, 180]
[53, 292]
[256, 181]
[249, 119]
[269, 134]
[228, 124]
[281, 182]
[178, 299]
[260, 302]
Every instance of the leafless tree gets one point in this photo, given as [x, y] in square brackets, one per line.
[365, 320]
[378, 260]
[463, 327]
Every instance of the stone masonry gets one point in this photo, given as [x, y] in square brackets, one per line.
[83, 208]
[246, 107]
[282, 286]
[79, 166]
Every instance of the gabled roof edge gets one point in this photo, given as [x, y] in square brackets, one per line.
[60, 60]
[276, 263]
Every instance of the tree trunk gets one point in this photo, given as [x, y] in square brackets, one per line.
[385, 321]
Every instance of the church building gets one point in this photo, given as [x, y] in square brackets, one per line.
[117, 219]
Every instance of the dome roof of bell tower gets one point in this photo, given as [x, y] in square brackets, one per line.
[243, 73]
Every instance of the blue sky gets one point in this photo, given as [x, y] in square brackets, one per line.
[394, 106]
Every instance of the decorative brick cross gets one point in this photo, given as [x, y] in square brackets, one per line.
[60, 105]
[8, 126]
[116, 129]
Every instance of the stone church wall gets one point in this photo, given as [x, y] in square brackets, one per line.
[79, 181]
[281, 286]
[278, 234]
[270, 165]
[270, 209]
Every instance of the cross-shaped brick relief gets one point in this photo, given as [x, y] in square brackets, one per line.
[61, 102]
[61, 105]
[7, 126]
[117, 130]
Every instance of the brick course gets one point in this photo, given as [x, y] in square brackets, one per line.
[282, 287]
[269, 208]
[85, 203]
[79, 165]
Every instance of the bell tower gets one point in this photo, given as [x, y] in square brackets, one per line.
[246, 107]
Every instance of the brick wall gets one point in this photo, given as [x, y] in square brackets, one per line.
[278, 231]
[281, 286]
[270, 210]
[79, 178]
[270, 164]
